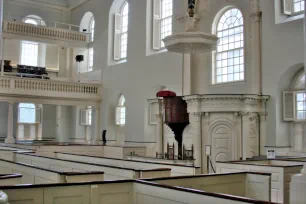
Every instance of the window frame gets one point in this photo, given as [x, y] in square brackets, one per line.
[161, 23]
[92, 27]
[90, 59]
[215, 53]
[295, 106]
[120, 109]
[35, 109]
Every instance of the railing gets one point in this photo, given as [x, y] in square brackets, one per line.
[48, 88]
[3, 198]
[39, 21]
[44, 32]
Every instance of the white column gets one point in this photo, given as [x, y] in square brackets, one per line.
[263, 133]
[98, 125]
[159, 134]
[195, 122]
[10, 124]
[1, 38]
[245, 134]
[256, 47]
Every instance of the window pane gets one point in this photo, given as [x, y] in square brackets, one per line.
[230, 48]
[298, 6]
[90, 59]
[166, 19]
[27, 113]
[92, 29]
[29, 53]
[300, 106]
[124, 31]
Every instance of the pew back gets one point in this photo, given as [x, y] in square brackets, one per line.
[281, 175]
[10, 179]
[176, 170]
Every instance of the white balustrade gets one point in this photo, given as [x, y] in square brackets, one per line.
[44, 32]
[48, 88]
[3, 198]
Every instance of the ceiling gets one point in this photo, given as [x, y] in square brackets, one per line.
[64, 4]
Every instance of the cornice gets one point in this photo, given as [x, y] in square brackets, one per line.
[242, 97]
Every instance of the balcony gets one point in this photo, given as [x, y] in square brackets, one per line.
[68, 36]
[49, 91]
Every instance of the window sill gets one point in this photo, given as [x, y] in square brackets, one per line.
[234, 83]
[27, 123]
[113, 62]
[155, 52]
[291, 18]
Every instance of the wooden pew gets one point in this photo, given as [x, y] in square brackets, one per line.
[10, 179]
[176, 169]
[112, 172]
[118, 192]
[37, 175]
[281, 174]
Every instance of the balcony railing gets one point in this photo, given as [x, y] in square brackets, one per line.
[53, 33]
[49, 88]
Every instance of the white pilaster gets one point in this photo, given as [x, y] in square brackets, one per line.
[245, 134]
[10, 120]
[98, 125]
[263, 133]
[256, 47]
[195, 122]
[159, 134]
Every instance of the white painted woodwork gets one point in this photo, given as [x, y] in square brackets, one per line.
[281, 174]
[37, 31]
[115, 193]
[34, 87]
[10, 121]
[298, 188]
[11, 181]
[112, 172]
[247, 185]
[176, 170]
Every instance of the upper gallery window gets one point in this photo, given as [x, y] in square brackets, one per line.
[92, 28]
[121, 33]
[29, 53]
[27, 113]
[229, 58]
[162, 22]
[90, 59]
[121, 112]
[293, 7]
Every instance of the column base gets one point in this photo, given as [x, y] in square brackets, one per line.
[10, 141]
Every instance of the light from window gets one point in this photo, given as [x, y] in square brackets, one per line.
[124, 31]
[166, 19]
[92, 29]
[31, 21]
[298, 6]
[29, 53]
[230, 50]
[121, 112]
[90, 59]
[27, 113]
[89, 112]
[300, 105]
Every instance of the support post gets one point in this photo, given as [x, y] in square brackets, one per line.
[10, 120]
[195, 122]
[1, 38]
[98, 125]
[256, 48]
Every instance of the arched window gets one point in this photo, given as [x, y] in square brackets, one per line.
[26, 113]
[121, 32]
[162, 21]
[90, 59]
[92, 28]
[29, 50]
[121, 111]
[295, 99]
[229, 58]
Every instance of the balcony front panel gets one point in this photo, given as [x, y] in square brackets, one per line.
[25, 29]
[49, 89]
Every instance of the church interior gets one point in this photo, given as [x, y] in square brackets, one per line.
[152, 102]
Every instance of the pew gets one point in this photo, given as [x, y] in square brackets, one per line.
[243, 184]
[111, 172]
[176, 169]
[37, 175]
[115, 192]
[10, 179]
[281, 174]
